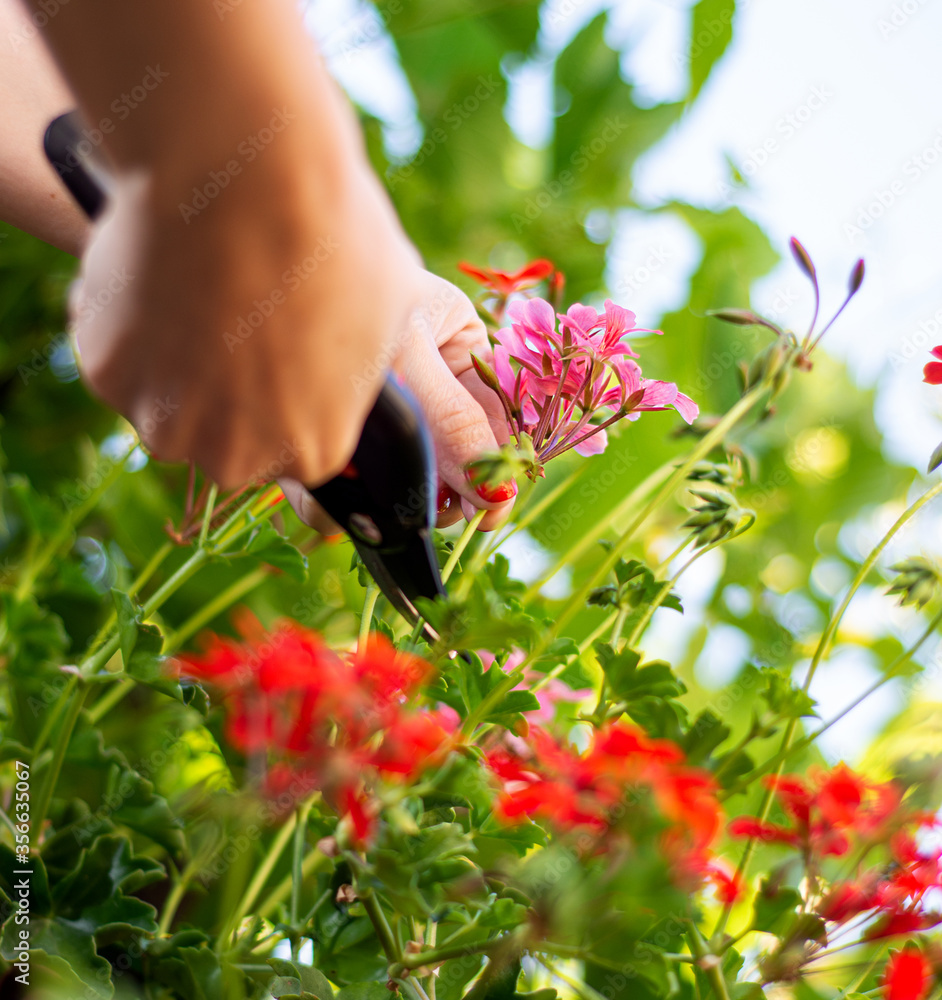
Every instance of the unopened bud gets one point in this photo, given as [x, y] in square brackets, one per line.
[802, 258]
[917, 582]
[856, 277]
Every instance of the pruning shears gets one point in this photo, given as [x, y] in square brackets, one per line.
[385, 498]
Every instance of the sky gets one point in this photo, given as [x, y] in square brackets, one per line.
[832, 113]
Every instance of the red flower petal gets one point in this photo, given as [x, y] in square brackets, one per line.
[932, 373]
[908, 976]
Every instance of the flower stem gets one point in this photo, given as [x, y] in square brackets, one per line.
[261, 877]
[73, 518]
[824, 644]
[208, 514]
[297, 876]
[890, 674]
[864, 571]
[470, 528]
[282, 891]
[380, 924]
[704, 447]
[218, 604]
[366, 619]
[711, 965]
[55, 766]
[146, 573]
[590, 538]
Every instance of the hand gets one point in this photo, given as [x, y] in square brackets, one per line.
[252, 334]
[465, 417]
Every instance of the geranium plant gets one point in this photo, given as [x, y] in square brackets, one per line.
[317, 803]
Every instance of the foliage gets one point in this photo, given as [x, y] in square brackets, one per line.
[298, 809]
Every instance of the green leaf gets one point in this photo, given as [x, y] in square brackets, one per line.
[128, 619]
[269, 546]
[774, 906]
[784, 697]
[710, 33]
[103, 871]
[66, 951]
[746, 991]
[364, 991]
[630, 682]
[195, 973]
[310, 980]
[705, 734]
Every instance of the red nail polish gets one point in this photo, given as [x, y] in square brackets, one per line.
[498, 493]
[447, 498]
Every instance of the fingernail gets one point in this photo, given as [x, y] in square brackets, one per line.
[447, 498]
[498, 493]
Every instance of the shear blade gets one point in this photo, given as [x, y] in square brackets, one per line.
[403, 576]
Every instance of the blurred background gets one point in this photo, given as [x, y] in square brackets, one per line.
[661, 153]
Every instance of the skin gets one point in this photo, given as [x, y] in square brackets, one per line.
[246, 325]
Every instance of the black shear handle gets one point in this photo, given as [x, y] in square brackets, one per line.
[384, 494]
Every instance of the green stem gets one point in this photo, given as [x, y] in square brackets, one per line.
[711, 965]
[261, 877]
[614, 639]
[707, 443]
[315, 860]
[864, 571]
[208, 514]
[436, 956]
[108, 701]
[823, 645]
[586, 541]
[470, 528]
[297, 878]
[146, 573]
[668, 586]
[216, 606]
[53, 717]
[582, 989]
[380, 924]
[532, 513]
[58, 756]
[69, 522]
[175, 897]
[890, 674]
[366, 619]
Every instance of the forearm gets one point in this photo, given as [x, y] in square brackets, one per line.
[32, 92]
[177, 87]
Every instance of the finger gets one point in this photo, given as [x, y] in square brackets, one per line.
[460, 429]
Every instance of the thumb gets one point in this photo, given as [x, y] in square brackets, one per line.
[459, 427]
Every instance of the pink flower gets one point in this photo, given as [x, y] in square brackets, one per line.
[564, 385]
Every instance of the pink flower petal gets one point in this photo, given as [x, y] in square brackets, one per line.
[593, 445]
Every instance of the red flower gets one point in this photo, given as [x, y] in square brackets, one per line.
[623, 783]
[323, 721]
[932, 373]
[908, 976]
[503, 283]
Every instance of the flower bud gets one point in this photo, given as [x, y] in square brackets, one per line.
[802, 258]
[716, 517]
[917, 582]
[856, 277]
[713, 472]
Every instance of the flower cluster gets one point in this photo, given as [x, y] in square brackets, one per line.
[563, 379]
[322, 720]
[839, 814]
[623, 782]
